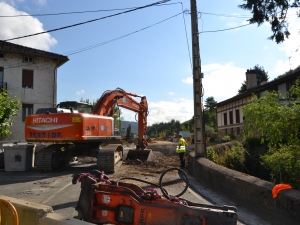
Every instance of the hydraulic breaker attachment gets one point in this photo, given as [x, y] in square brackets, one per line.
[103, 201]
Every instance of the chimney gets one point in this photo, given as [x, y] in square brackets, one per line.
[251, 79]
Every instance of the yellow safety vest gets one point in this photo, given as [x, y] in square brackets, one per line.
[182, 147]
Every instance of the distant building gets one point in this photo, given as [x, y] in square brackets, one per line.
[229, 114]
[30, 75]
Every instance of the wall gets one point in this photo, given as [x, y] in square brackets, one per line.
[248, 192]
[43, 93]
[226, 108]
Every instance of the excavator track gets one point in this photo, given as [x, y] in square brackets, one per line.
[109, 156]
[48, 158]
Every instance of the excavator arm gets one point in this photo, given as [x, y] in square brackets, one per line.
[109, 99]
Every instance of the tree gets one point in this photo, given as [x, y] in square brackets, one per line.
[8, 109]
[117, 117]
[274, 12]
[210, 104]
[262, 75]
[209, 114]
[278, 123]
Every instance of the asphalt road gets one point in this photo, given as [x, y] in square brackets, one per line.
[55, 189]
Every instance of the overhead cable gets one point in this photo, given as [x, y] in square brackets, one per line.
[210, 31]
[79, 12]
[89, 21]
[117, 38]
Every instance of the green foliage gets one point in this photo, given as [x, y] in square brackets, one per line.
[165, 129]
[117, 117]
[284, 163]
[209, 114]
[232, 136]
[274, 12]
[8, 109]
[211, 154]
[277, 121]
[231, 155]
[210, 131]
[253, 142]
[273, 121]
[226, 138]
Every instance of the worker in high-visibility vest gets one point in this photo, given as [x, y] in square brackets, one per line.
[181, 149]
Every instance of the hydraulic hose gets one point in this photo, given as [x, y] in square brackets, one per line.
[163, 190]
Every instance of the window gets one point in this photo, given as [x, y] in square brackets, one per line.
[28, 59]
[27, 78]
[1, 56]
[225, 118]
[237, 116]
[1, 76]
[231, 117]
[238, 131]
[27, 109]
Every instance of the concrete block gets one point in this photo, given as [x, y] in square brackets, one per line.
[29, 213]
[18, 157]
[57, 219]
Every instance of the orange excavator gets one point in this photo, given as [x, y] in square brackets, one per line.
[73, 129]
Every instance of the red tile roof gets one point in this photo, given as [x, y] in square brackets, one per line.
[14, 48]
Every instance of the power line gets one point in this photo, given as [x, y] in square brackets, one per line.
[79, 12]
[225, 15]
[224, 29]
[117, 38]
[187, 41]
[89, 21]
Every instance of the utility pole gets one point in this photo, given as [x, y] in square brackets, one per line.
[197, 85]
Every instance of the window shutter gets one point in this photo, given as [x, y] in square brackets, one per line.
[27, 78]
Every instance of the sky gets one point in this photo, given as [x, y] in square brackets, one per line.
[148, 51]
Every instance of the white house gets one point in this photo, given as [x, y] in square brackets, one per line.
[30, 75]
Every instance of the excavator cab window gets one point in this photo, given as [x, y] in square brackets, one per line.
[81, 107]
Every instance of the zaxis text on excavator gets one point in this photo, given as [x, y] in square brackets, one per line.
[71, 131]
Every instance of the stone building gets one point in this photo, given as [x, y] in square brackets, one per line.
[30, 75]
[229, 112]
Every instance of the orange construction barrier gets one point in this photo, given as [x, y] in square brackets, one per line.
[12, 209]
[278, 188]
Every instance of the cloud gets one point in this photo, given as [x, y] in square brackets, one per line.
[171, 93]
[217, 79]
[41, 2]
[188, 80]
[13, 2]
[164, 111]
[289, 46]
[20, 26]
[80, 92]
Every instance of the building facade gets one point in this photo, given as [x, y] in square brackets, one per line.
[31, 76]
[229, 112]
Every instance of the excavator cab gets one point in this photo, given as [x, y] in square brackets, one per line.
[81, 107]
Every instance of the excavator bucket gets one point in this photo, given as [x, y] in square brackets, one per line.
[143, 155]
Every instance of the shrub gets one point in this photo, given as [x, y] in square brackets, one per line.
[230, 155]
[284, 164]
[211, 155]
[254, 142]
[232, 136]
[226, 138]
